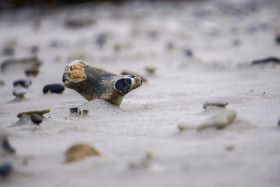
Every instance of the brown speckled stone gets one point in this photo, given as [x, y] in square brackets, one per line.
[96, 83]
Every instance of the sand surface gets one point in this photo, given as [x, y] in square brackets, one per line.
[224, 39]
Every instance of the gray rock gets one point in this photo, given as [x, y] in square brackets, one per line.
[220, 120]
[19, 91]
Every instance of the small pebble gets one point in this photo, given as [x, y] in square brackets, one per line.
[7, 146]
[188, 53]
[266, 61]
[80, 151]
[19, 91]
[2, 83]
[144, 163]
[277, 39]
[8, 51]
[153, 34]
[117, 48]
[23, 82]
[34, 49]
[84, 112]
[170, 45]
[77, 23]
[32, 72]
[150, 69]
[74, 110]
[101, 39]
[53, 88]
[279, 122]
[230, 148]
[236, 42]
[217, 104]
[5, 169]
[36, 118]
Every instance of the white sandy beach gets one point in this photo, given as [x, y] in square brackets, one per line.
[148, 118]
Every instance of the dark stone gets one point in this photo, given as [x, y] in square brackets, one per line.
[266, 61]
[188, 53]
[101, 39]
[153, 34]
[8, 51]
[279, 122]
[170, 45]
[34, 49]
[123, 85]
[32, 72]
[23, 82]
[77, 23]
[277, 39]
[36, 118]
[216, 104]
[5, 169]
[85, 112]
[7, 146]
[74, 110]
[55, 44]
[53, 88]
[236, 42]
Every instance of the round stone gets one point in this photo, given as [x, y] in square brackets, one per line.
[36, 118]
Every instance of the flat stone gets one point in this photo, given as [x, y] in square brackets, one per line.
[32, 62]
[220, 120]
[39, 112]
[217, 104]
[80, 151]
[185, 127]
